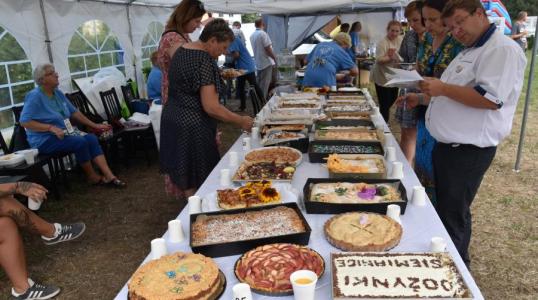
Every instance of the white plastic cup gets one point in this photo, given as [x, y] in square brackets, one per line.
[390, 153]
[34, 204]
[303, 291]
[397, 170]
[225, 179]
[158, 248]
[195, 205]
[393, 212]
[29, 157]
[419, 195]
[333, 88]
[175, 231]
[376, 110]
[438, 244]
[388, 139]
[246, 144]
[241, 291]
[234, 159]
[255, 133]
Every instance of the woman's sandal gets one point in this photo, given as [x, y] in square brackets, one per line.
[116, 183]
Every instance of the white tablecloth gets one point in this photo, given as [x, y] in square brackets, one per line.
[420, 224]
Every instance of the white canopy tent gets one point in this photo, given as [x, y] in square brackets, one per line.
[44, 28]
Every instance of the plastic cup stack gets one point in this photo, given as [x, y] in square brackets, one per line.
[29, 157]
[175, 231]
[246, 144]
[158, 248]
[255, 133]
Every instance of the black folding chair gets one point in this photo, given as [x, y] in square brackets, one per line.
[139, 135]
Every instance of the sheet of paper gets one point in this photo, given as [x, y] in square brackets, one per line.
[403, 78]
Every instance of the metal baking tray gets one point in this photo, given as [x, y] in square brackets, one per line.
[320, 125]
[379, 175]
[240, 247]
[313, 207]
[321, 157]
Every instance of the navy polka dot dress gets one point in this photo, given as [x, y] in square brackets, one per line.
[188, 151]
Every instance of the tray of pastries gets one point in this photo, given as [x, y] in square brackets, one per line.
[296, 140]
[252, 194]
[267, 269]
[365, 166]
[256, 171]
[11, 160]
[232, 232]
[338, 195]
[275, 154]
[345, 125]
[359, 135]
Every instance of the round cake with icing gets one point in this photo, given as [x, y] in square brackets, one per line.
[361, 231]
[178, 276]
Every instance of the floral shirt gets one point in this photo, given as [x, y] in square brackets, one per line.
[168, 40]
[433, 64]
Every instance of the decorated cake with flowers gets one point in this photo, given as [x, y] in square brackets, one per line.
[359, 192]
[178, 276]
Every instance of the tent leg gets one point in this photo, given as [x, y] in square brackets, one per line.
[526, 109]
[46, 29]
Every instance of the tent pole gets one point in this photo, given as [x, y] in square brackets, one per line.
[132, 44]
[286, 24]
[46, 28]
[526, 108]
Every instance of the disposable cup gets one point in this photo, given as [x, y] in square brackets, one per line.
[246, 144]
[158, 248]
[255, 133]
[419, 195]
[195, 205]
[34, 204]
[438, 244]
[29, 157]
[397, 170]
[175, 231]
[241, 291]
[390, 153]
[303, 283]
[234, 159]
[225, 179]
[393, 212]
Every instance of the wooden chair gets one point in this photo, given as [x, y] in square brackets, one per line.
[139, 135]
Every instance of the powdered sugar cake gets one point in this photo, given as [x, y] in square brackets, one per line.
[362, 275]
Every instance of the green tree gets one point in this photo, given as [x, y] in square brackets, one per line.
[515, 6]
[249, 18]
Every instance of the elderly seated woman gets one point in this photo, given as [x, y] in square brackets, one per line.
[47, 116]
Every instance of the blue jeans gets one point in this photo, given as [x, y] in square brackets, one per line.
[85, 147]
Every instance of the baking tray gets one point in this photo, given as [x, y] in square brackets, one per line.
[342, 93]
[313, 207]
[321, 157]
[380, 175]
[343, 122]
[281, 293]
[240, 247]
[299, 144]
[318, 135]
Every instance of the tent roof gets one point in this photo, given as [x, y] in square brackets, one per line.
[273, 6]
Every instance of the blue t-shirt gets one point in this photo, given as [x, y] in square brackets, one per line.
[244, 61]
[44, 109]
[324, 62]
[154, 83]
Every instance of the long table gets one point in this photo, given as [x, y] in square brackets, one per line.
[420, 224]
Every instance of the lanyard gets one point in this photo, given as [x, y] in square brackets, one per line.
[58, 106]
